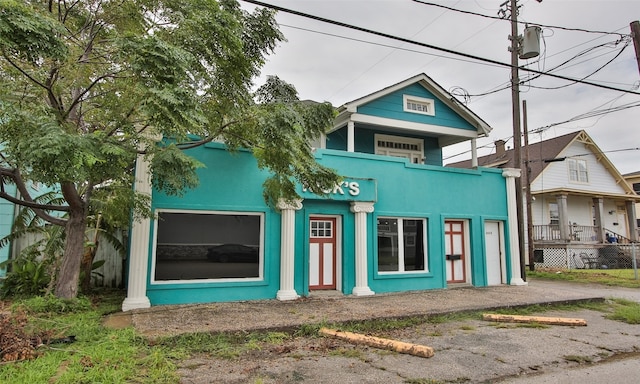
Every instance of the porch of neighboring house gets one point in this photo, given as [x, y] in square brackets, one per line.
[610, 243]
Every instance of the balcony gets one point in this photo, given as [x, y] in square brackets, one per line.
[576, 234]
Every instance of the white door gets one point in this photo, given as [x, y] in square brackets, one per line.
[621, 217]
[493, 252]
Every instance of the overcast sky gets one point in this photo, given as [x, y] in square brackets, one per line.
[330, 63]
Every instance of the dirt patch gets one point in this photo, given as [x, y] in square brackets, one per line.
[118, 321]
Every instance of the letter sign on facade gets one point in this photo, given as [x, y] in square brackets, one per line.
[350, 189]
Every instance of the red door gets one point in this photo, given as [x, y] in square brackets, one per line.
[322, 253]
[454, 251]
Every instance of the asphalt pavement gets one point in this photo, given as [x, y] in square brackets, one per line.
[470, 351]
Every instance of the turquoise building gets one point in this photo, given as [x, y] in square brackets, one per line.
[399, 221]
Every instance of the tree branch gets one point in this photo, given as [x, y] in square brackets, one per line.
[208, 139]
[28, 76]
[77, 99]
[27, 200]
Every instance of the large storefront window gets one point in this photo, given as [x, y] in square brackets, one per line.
[401, 244]
[216, 245]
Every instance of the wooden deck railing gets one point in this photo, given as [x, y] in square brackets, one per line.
[576, 233]
[579, 233]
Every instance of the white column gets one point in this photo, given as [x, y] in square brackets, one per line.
[563, 217]
[360, 210]
[474, 154]
[287, 249]
[139, 253]
[514, 242]
[351, 136]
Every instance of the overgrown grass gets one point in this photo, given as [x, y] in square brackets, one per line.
[223, 345]
[95, 355]
[626, 311]
[104, 355]
[610, 277]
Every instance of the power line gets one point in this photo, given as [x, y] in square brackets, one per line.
[382, 44]
[392, 37]
[546, 127]
[519, 22]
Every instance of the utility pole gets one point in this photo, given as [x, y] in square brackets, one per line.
[635, 35]
[515, 108]
[527, 179]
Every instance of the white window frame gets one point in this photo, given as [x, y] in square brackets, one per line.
[401, 240]
[416, 156]
[556, 210]
[428, 104]
[578, 172]
[260, 276]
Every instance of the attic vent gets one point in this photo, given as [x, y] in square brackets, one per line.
[420, 105]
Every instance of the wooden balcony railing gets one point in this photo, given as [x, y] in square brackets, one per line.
[546, 233]
[577, 233]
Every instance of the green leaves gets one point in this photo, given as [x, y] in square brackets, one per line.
[173, 171]
[29, 35]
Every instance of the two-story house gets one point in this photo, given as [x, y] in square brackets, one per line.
[580, 203]
[633, 179]
[400, 220]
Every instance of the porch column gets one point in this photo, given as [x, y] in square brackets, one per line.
[510, 175]
[360, 210]
[139, 253]
[563, 217]
[631, 220]
[351, 136]
[287, 249]
[474, 154]
[598, 203]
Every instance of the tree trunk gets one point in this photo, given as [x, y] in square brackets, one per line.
[67, 282]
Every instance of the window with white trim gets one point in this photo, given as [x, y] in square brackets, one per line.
[415, 104]
[398, 146]
[196, 245]
[402, 245]
[578, 170]
[554, 214]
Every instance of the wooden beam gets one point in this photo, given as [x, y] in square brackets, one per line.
[534, 319]
[377, 342]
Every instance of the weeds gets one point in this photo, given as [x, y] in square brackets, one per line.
[610, 277]
[626, 311]
[77, 349]
[578, 359]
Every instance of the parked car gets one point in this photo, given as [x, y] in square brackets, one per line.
[233, 253]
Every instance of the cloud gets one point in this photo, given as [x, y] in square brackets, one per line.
[325, 67]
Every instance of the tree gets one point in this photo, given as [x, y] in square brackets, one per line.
[87, 86]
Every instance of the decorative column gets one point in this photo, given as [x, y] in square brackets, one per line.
[563, 217]
[139, 253]
[474, 154]
[632, 223]
[351, 136]
[510, 175]
[287, 249]
[360, 210]
[598, 203]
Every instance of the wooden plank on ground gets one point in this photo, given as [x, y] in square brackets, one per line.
[534, 319]
[378, 342]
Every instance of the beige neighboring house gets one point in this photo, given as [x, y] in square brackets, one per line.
[633, 179]
[580, 204]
